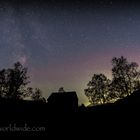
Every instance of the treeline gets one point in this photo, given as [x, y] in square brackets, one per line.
[125, 80]
[100, 90]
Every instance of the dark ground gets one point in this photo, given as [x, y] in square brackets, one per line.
[111, 119]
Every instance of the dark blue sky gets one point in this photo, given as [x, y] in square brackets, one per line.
[65, 43]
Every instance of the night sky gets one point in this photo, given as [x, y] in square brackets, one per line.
[64, 43]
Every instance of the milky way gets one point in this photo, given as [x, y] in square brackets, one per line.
[65, 44]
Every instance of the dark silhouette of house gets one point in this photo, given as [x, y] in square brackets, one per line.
[63, 101]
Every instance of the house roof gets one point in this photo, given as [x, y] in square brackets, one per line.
[62, 96]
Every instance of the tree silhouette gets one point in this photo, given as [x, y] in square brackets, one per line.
[126, 77]
[13, 84]
[2, 82]
[37, 95]
[98, 89]
[125, 80]
[17, 80]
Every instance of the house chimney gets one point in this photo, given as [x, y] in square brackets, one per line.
[61, 90]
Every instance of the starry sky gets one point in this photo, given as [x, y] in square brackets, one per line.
[63, 43]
